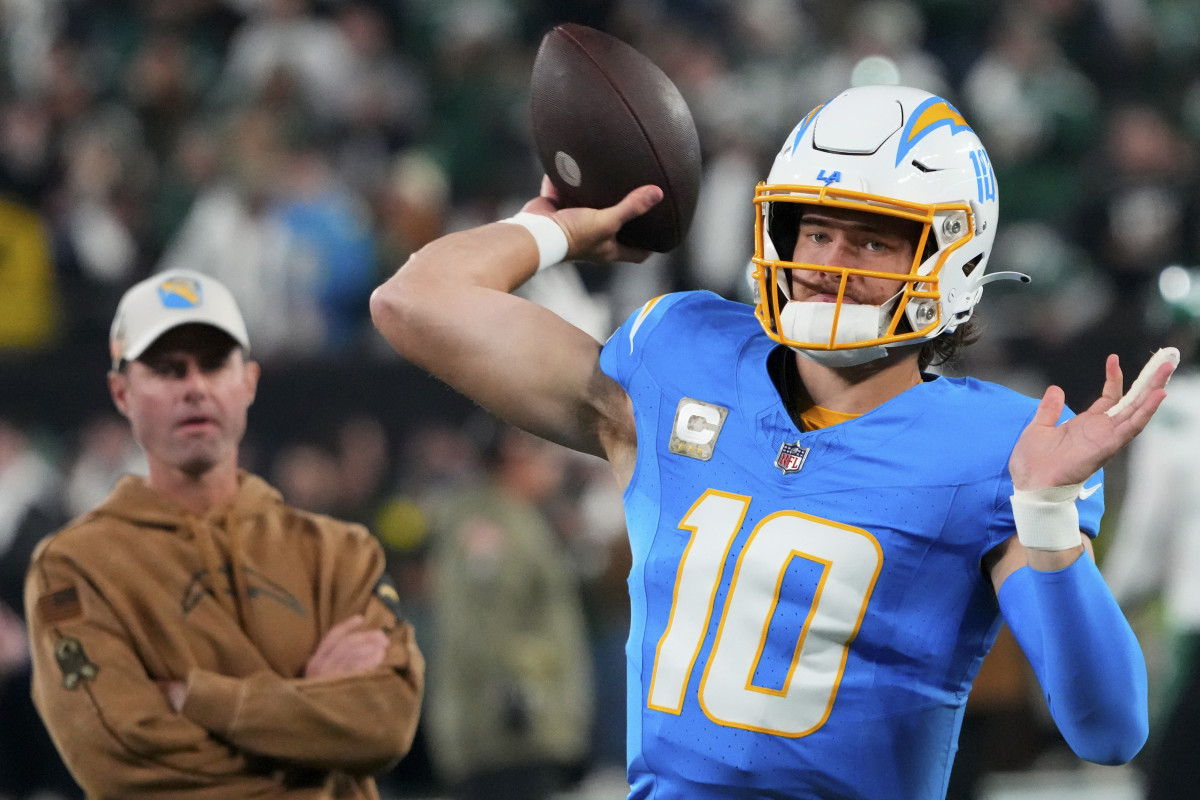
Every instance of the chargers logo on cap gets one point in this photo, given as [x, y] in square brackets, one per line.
[934, 113]
[179, 293]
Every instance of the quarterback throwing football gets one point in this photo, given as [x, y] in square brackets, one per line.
[826, 536]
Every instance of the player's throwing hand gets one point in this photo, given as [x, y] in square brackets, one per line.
[591, 233]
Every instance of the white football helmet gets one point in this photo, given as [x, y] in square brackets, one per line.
[888, 150]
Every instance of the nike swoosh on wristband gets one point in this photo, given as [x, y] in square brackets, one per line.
[1088, 491]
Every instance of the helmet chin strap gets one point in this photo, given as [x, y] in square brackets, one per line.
[813, 322]
[843, 358]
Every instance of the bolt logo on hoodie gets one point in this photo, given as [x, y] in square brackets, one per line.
[257, 585]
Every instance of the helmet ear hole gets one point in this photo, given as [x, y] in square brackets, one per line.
[783, 226]
[931, 247]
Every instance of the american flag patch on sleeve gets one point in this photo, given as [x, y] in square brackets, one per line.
[59, 606]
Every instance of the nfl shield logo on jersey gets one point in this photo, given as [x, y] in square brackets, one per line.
[791, 457]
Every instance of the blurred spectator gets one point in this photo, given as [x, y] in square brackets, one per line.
[232, 235]
[30, 507]
[723, 218]
[344, 471]
[364, 467]
[28, 284]
[14, 654]
[331, 224]
[1037, 333]
[1155, 555]
[29, 510]
[603, 558]
[284, 37]
[436, 461]
[385, 105]
[307, 477]
[1141, 214]
[103, 159]
[106, 451]
[1035, 110]
[884, 39]
[412, 208]
[193, 165]
[1111, 41]
[479, 129]
[163, 83]
[27, 150]
[510, 706]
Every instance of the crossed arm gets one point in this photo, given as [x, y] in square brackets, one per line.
[347, 648]
[120, 739]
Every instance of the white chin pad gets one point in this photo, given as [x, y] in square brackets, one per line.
[813, 322]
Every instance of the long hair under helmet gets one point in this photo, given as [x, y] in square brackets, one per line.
[889, 150]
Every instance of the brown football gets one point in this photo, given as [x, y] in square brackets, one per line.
[606, 120]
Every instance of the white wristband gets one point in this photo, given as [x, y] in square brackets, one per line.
[1047, 519]
[550, 239]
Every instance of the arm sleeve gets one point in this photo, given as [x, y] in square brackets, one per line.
[1086, 658]
[359, 723]
[107, 717]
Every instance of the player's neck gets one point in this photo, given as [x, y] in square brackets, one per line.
[858, 389]
[198, 494]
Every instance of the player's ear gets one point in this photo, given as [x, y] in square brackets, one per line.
[253, 371]
[118, 388]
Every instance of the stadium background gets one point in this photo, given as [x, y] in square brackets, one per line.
[300, 149]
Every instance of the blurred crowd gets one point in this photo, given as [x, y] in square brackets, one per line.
[301, 149]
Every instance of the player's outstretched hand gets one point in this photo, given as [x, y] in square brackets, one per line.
[347, 649]
[1048, 454]
[591, 232]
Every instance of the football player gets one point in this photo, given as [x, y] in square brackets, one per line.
[826, 536]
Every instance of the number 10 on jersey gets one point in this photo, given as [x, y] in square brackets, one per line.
[848, 560]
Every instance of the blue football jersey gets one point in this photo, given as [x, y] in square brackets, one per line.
[808, 609]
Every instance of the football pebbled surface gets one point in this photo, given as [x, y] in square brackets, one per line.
[607, 120]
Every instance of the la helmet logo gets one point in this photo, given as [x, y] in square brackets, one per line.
[832, 177]
[791, 457]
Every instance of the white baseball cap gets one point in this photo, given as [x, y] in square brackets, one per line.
[165, 301]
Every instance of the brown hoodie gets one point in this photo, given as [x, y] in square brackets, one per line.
[140, 591]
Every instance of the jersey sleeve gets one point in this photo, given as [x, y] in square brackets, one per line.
[359, 723]
[627, 347]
